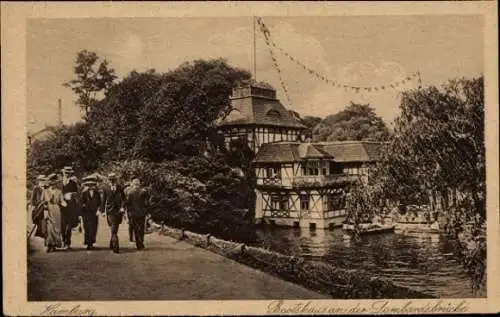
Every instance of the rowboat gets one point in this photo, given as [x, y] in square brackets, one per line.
[417, 227]
[368, 228]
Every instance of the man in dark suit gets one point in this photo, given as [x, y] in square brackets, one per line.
[70, 213]
[91, 203]
[137, 199]
[127, 214]
[114, 203]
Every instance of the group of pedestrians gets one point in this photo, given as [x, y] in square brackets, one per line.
[58, 208]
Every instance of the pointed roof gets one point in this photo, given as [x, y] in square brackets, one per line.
[310, 150]
[256, 104]
[42, 134]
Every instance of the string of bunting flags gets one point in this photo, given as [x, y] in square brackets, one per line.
[271, 44]
[267, 35]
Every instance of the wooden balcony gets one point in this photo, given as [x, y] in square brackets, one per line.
[322, 180]
[306, 181]
[273, 182]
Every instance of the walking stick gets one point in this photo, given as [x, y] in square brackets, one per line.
[80, 224]
[39, 211]
[32, 230]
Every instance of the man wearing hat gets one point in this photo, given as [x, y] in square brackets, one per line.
[35, 204]
[71, 212]
[91, 202]
[137, 199]
[114, 203]
[127, 214]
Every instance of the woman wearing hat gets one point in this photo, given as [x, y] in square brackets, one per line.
[35, 201]
[53, 200]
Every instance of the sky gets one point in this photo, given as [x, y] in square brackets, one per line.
[351, 50]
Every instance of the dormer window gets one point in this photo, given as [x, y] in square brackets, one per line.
[310, 168]
[273, 113]
[273, 172]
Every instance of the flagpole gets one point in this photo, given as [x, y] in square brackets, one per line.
[254, 51]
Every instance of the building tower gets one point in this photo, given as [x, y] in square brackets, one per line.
[258, 117]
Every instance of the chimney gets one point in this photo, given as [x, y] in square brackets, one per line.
[59, 112]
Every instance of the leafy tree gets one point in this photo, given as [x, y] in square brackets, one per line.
[196, 193]
[356, 122]
[115, 124]
[155, 126]
[439, 143]
[92, 77]
[162, 116]
[438, 150]
[311, 122]
[67, 146]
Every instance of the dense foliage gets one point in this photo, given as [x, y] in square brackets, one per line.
[66, 146]
[436, 158]
[159, 116]
[442, 133]
[311, 122]
[355, 122]
[200, 194]
[155, 126]
[439, 145]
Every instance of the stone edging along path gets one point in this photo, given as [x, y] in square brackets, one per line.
[314, 275]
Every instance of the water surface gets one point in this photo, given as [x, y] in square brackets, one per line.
[424, 262]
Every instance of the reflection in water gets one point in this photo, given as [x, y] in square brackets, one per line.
[425, 239]
[316, 242]
[424, 262]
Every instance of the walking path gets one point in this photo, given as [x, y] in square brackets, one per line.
[166, 270]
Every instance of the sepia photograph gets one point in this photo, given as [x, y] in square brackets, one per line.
[257, 156]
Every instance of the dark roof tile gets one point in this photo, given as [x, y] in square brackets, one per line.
[349, 151]
[261, 111]
[277, 152]
[353, 151]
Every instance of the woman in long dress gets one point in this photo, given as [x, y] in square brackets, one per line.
[35, 201]
[53, 199]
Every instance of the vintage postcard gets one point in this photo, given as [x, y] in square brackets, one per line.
[251, 158]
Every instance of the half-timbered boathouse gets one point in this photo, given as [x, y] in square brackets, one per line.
[258, 117]
[298, 183]
[304, 184]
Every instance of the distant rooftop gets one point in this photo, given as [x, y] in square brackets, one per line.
[45, 130]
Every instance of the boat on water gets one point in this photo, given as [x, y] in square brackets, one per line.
[418, 227]
[418, 220]
[368, 228]
[364, 219]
